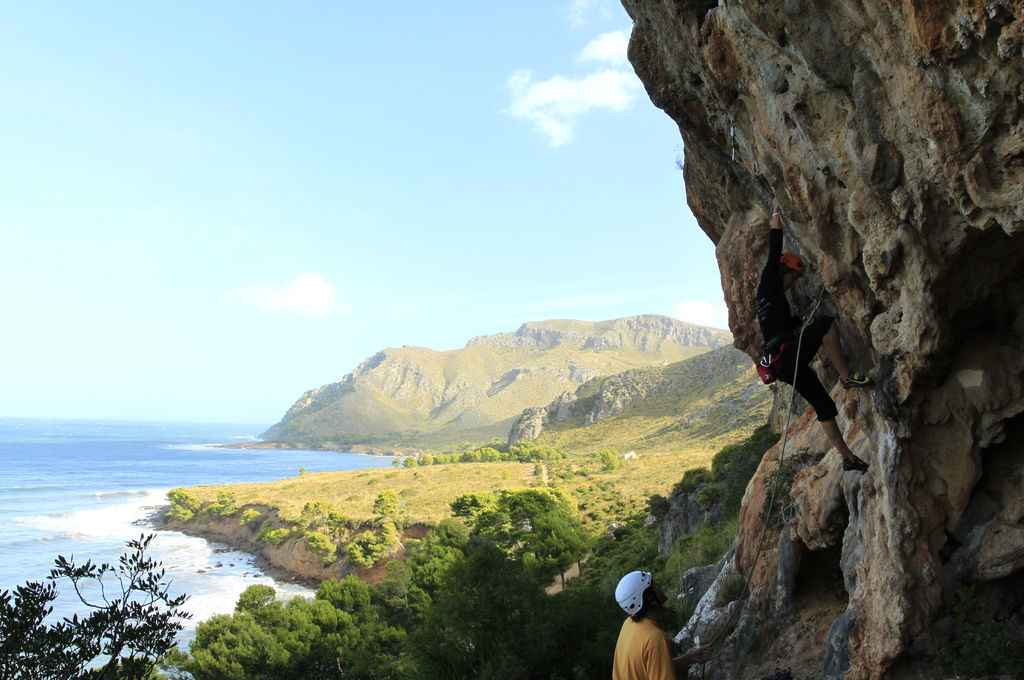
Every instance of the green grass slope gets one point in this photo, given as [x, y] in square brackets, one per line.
[703, 402]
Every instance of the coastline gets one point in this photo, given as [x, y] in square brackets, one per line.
[219, 541]
[364, 449]
[290, 561]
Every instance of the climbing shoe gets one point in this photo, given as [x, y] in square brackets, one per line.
[855, 464]
[855, 379]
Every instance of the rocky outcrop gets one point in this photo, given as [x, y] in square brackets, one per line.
[685, 516]
[528, 426]
[892, 135]
[644, 333]
[291, 557]
[483, 386]
[711, 393]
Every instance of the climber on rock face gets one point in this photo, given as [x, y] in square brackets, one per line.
[781, 333]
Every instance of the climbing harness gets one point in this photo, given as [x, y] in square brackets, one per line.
[764, 365]
[778, 471]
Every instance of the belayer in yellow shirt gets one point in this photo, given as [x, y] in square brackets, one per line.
[642, 650]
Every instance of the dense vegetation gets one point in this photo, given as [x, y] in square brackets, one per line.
[132, 622]
[477, 596]
[468, 600]
[473, 598]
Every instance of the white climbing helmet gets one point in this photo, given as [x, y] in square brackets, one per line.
[630, 591]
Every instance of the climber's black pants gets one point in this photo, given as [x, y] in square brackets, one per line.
[807, 383]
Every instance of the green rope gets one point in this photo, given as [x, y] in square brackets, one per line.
[778, 471]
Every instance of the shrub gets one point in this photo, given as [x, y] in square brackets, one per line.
[336, 522]
[733, 466]
[255, 597]
[657, 505]
[692, 478]
[704, 547]
[609, 460]
[709, 496]
[321, 546]
[318, 514]
[249, 516]
[184, 505]
[370, 546]
[489, 454]
[274, 536]
[224, 505]
[385, 505]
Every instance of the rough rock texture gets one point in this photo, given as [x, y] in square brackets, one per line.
[483, 386]
[892, 135]
[529, 426]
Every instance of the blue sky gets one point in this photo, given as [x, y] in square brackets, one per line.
[208, 208]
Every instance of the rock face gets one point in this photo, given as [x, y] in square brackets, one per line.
[480, 388]
[892, 135]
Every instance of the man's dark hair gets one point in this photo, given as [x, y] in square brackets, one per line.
[649, 598]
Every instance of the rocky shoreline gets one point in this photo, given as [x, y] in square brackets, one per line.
[290, 561]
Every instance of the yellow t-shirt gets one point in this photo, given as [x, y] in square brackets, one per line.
[642, 653]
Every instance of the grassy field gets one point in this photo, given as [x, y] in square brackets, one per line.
[425, 492]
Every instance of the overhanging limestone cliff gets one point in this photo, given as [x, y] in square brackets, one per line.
[891, 133]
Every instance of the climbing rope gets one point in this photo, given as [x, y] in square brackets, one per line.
[778, 474]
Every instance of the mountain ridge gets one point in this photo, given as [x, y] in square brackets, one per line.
[481, 387]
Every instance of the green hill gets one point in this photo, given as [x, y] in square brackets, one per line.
[699, 402]
[418, 397]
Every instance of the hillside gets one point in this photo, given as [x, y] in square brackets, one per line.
[413, 396]
[700, 401]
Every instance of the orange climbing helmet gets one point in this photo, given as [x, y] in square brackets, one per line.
[792, 261]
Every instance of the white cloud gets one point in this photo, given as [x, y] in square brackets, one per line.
[609, 48]
[703, 313]
[579, 11]
[554, 105]
[308, 294]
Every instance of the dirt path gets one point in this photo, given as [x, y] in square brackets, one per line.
[573, 571]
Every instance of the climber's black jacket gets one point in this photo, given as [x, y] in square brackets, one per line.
[777, 323]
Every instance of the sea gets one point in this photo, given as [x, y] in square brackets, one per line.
[82, 489]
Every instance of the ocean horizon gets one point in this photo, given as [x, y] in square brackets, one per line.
[84, 488]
